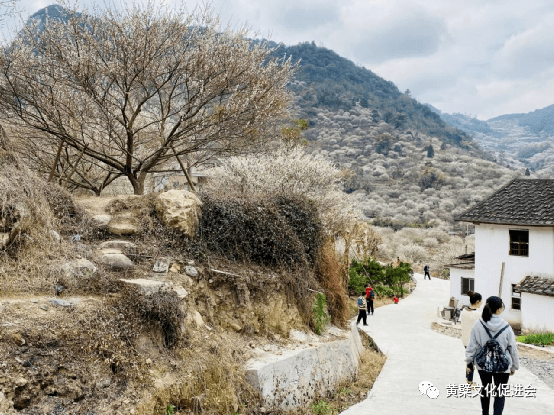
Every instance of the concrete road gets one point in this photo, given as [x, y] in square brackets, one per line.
[415, 353]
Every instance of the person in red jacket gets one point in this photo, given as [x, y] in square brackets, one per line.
[370, 295]
[395, 300]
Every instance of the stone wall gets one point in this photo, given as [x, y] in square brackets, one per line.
[292, 378]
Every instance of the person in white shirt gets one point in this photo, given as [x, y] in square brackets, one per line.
[469, 316]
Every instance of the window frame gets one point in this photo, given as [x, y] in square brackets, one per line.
[471, 285]
[516, 299]
[519, 247]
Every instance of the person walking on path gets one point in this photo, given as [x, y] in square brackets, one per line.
[492, 349]
[362, 309]
[426, 269]
[369, 295]
[469, 316]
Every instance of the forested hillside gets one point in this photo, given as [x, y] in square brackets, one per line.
[327, 80]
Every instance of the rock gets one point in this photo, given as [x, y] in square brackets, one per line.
[70, 302]
[54, 235]
[78, 269]
[126, 247]
[5, 404]
[4, 238]
[21, 381]
[181, 292]
[148, 361]
[18, 339]
[161, 265]
[114, 259]
[148, 287]
[198, 319]
[235, 326]
[122, 227]
[104, 383]
[191, 271]
[179, 209]
[34, 301]
[44, 307]
[175, 268]
[101, 221]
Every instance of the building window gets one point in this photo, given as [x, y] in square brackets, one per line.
[519, 242]
[467, 285]
[516, 299]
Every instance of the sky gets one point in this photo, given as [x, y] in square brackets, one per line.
[477, 57]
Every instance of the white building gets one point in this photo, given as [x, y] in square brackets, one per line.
[514, 241]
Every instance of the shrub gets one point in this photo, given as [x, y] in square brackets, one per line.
[383, 291]
[269, 231]
[540, 339]
[364, 272]
[331, 279]
[321, 318]
[413, 253]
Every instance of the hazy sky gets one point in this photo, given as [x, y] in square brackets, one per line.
[479, 57]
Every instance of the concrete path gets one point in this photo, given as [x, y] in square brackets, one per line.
[415, 353]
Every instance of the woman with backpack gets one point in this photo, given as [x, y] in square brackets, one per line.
[492, 348]
[362, 309]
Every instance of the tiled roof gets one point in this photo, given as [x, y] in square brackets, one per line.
[536, 285]
[520, 202]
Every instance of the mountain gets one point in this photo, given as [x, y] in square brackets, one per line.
[515, 140]
[463, 122]
[326, 80]
[538, 121]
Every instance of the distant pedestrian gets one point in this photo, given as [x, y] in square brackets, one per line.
[395, 299]
[469, 316]
[426, 269]
[369, 295]
[362, 309]
[492, 348]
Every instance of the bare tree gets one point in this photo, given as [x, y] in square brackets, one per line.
[132, 90]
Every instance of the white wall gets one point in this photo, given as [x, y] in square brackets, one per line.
[456, 275]
[492, 244]
[537, 313]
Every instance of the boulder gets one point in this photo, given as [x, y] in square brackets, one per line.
[123, 227]
[69, 302]
[161, 265]
[148, 287]
[78, 269]
[126, 247]
[179, 209]
[175, 268]
[114, 259]
[191, 271]
[101, 221]
[55, 235]
[198, 319]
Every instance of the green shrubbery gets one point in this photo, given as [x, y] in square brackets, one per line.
[385, 280]
[540, 339]
[321, 318]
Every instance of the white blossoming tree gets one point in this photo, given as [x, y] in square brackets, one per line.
[129, 91]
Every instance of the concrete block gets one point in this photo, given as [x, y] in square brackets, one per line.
[293, 377]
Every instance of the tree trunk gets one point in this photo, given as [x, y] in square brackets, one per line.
[137, 183]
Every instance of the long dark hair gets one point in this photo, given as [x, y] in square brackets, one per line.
[474, 297]
[493, 304]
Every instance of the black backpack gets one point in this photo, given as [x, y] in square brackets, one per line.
[491, 357]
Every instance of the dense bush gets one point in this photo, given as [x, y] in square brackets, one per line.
[279, 231]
